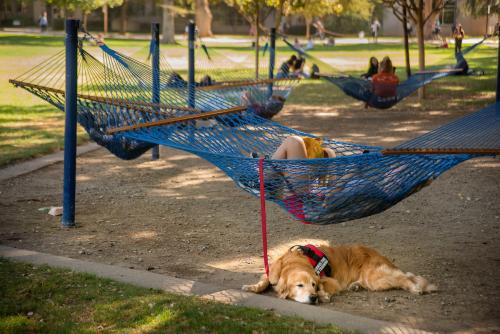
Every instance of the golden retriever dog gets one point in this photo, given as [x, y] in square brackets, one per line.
[295, 275]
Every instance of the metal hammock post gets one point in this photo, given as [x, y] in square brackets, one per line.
[155, 58]
[70, 108]
[191, 83]
[498, 66]
[272, 56]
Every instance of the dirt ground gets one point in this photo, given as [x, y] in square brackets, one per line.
[182, 216]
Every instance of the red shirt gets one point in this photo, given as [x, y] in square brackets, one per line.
[385, 84]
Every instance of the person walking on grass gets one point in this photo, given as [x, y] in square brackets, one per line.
[43, 22]
[459, 35]
[375, 27]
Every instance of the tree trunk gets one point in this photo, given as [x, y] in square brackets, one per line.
[168, 32]
[407, 44]
[308, 27]
[85, 19]
[124, 18]
[203, 17]
[279, 15]
[421, 49]
[105, 14]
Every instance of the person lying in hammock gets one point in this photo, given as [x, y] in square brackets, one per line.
[267, 109]
[464, 66]
[385, 82]
[299, 148]
[284, 70]
[372, 68]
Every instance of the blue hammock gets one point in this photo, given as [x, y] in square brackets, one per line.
[360, 181]
[362, 89]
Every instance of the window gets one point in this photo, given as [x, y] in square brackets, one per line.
[449, 12]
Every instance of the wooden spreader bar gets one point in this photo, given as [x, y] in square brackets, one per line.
[480, 151]
[242, 83]
[180, 119]
[108, 100]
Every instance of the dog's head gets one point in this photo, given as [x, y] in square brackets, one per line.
[294, 278]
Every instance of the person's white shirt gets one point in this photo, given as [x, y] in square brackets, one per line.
[310, 44]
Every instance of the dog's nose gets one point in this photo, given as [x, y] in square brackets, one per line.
[313, 299]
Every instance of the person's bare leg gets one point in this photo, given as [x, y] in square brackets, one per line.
[292, 147]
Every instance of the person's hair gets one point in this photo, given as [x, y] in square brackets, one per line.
[386, 65]
[298, 64]
[370, 63]
[292, 60]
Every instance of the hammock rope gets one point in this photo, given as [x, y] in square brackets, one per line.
[359, 182]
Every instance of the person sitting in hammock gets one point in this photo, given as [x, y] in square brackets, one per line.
[385, 82]
[298, 68]
[299, 148]
[267, 109]
[206, 81]
[284, 70]
[372, 68]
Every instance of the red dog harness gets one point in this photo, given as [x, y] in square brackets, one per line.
[317, 259]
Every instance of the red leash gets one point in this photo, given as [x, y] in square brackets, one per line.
[263, 214]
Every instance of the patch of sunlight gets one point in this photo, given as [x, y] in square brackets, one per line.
[157, 165]
[354, 134]
[488, 164]
[156, 322]
[80, 177]
[406, 128]
[327, 114]
[455, 88]
[165, 192]
[249, 264]
[144, 235]
[200, 176]
[392, 139]
[439, 113]
[88, 237]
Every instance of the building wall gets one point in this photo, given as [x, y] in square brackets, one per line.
[391, 26]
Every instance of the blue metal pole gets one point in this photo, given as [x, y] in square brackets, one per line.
[272, 59]
[191, 82]
[498, 66]
[70, 108]
[155, 58]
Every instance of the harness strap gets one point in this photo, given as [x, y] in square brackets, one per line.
[263, 214]
[317, 259]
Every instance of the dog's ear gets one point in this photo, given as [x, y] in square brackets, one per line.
[275, 271]
[281, 288]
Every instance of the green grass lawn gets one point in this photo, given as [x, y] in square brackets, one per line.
[30, 127]
[47, 300]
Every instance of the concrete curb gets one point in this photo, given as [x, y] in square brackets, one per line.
[47, 160]
[229, 296]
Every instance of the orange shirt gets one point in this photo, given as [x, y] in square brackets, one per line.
[385, 84]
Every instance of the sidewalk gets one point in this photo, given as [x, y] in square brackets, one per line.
[229, 296]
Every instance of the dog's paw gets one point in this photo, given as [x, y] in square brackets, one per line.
[354, 287]
[324, 297]
[248, 288]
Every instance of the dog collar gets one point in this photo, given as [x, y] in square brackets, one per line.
[317, 259]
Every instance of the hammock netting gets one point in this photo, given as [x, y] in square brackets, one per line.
[362, 89]
[118, 92]
[230, 77]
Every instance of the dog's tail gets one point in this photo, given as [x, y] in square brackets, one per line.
[420, 285]
[260, 287]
